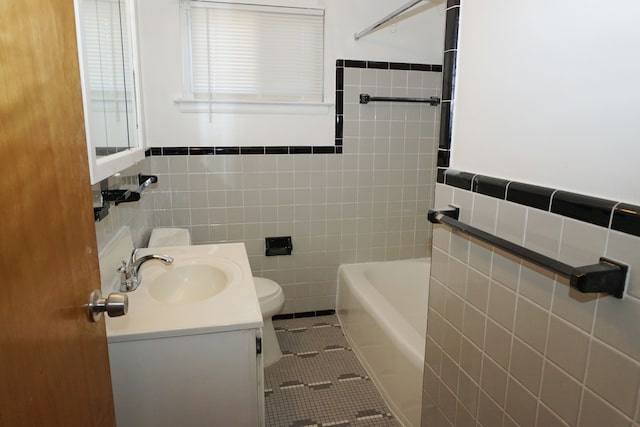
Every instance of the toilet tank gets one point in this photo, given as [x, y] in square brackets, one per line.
[169, 237]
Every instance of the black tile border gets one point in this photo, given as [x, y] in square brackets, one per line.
[459, 179]
[300, 150]
[175, 151]
[252, 150]
[451, 28]
[222, 151]
[201, 151]
[490, 186]
[583, 208]
[449, 61]
[610, 214]
[304, 314]
[533, 196]
[337, 148]
[276, 150]
[626, 219]
[238, 151]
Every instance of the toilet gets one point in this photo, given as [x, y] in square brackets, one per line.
[169, 237]
[270, 295]
[271, 300]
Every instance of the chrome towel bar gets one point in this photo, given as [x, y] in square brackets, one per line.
[608, 276]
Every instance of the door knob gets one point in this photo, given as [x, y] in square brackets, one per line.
[114, 305]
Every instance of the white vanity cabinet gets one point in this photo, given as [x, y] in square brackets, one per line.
[212, 379]
[185, 354]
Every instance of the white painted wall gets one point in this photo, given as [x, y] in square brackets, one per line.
[548, 93]
[417, 39]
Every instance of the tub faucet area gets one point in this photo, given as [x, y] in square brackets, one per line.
[129, 271]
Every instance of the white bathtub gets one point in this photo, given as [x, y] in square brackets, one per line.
[382, 307]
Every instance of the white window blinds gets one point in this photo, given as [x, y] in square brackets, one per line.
[255, 53]
[107, 48]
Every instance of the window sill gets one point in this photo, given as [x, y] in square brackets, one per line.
[204, 106]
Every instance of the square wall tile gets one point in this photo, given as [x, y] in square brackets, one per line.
[526, 365]
[531, 324]
[468, 392]
[561, 393]
[457, 276]
[614, 377]
[453, 309]
[480, 256]
[502, 305]
[596, 413]
[477, 289]
[581, 243]
[521, 404]
[537, 284]
[573, 306]
[548, 418]
[471, 360]
[451, 341]
[485, 210]
[505, 268]
[625, 248]
[489, 412]
[542, 232]
[497, 343]
[464, 200]
[567, 346]
[443, 196]
[464, 417]
[494, 380]
[511, 221]
[616, 322]
[473, 325]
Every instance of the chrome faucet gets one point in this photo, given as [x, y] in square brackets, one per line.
[130, 271]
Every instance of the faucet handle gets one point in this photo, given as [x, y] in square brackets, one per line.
[123, 267]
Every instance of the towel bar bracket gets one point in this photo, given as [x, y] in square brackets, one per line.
[608, 276]
[452, 212]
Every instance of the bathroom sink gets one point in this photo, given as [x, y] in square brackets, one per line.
[188, 283]
[206, 289]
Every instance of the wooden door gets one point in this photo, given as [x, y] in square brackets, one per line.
[54, 368]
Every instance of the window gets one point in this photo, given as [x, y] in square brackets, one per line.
[249, 53]
[107, 48]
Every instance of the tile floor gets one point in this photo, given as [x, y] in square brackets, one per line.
[319, 381]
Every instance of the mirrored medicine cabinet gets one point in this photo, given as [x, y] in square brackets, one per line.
[108, 63]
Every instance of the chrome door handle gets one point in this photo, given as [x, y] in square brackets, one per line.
[114, 305]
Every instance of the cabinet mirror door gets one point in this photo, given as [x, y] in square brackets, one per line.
[106, 46]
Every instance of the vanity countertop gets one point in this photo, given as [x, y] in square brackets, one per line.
[235, 307]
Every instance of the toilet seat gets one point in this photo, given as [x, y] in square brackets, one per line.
[266, 288]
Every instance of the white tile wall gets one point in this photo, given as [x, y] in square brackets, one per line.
[533, 352]
[368, 204]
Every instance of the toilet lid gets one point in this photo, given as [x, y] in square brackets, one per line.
[265, 288]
